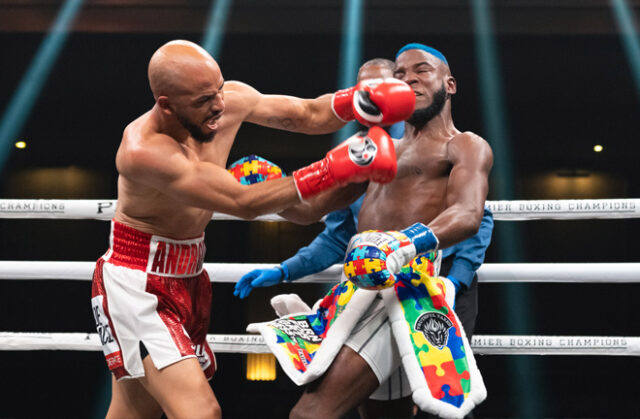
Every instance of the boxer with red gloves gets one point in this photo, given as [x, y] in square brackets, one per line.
[151, 297]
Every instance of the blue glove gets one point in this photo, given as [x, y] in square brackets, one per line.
[260, 278]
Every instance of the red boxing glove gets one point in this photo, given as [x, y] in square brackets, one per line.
[375, 102]
[357, 159]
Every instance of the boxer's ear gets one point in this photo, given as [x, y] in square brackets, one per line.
[451, 85]
[164, 105]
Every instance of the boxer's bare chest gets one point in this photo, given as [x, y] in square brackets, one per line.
[417, 193]
[151, 209]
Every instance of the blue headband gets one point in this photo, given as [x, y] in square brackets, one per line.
[424, 48]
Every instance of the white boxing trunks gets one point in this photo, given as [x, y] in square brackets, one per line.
[151, 293]
[372, 338]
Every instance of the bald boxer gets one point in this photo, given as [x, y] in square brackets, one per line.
[151, 296]
[441, 185]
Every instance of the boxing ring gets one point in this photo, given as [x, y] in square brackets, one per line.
[231, 272]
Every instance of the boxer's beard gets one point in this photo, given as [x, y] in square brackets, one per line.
[195, 131]
[421, 116]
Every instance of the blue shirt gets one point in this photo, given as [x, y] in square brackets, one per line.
[396, 130]
[468, 255]
[329, 247]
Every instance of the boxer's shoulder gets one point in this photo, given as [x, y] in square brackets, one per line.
[467, 137]
[237, 91]
[236, 86]
[240, 99]
[145, 151]
[468, 145]
[143, 132]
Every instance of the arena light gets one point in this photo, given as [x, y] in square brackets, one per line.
[20, 144]
[214, 31]
[598, 148]
[530, 402]
[261, 367]
[350, 56]
[625, 19]
[21, 103]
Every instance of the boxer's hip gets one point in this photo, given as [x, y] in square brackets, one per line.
[156, 255]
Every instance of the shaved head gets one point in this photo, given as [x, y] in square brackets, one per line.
[188, 88]
[178, 67]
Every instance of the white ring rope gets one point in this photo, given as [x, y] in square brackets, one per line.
[502, 210]
[481, 344]
[231, 272]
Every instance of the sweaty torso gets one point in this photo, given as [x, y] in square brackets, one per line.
[417, 193]
[151, 210]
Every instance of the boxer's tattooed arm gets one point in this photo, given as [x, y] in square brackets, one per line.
[308, 116]
[285, 123]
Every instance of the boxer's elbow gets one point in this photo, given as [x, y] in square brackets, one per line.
[469, 222]
[468, 230]
[246, 214]
[250, 213]
[301, 216]
[246, 208]
[303, 221]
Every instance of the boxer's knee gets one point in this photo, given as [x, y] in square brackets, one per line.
[210, 409]
[216, 412]
[204, 403]
[200, 406]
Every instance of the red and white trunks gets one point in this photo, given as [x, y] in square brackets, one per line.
[152, 291]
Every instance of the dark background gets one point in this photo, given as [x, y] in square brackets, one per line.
[567, 84]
